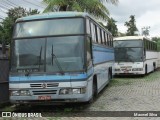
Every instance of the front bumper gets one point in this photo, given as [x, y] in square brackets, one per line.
[129, 73]
[55, 97]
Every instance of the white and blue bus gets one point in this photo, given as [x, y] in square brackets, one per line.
[135, 55]
[59, 57]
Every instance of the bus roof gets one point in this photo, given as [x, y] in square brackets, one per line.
[131, 38]
[53, 15]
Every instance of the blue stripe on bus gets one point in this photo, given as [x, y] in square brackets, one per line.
[102, 54]
[102, 49]
[49, 78]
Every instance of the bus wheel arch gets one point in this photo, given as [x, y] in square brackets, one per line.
[94, 85]
[94, 89]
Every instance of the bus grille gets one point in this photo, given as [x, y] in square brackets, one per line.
[44, 92]
[41, 85]
[126, 69]
[126, 66]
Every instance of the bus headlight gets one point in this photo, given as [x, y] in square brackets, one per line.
[20, 93]
[15, 93]
[24, 93]
[65, 91]
[76, 91]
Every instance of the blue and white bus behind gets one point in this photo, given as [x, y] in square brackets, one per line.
[57, 58]
[135, 55]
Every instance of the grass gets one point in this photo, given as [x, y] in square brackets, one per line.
[128, 80]
[152, 76]
[8, 109]
[120, 82]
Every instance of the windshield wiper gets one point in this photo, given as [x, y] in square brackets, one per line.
[57, 62]
[39, 61]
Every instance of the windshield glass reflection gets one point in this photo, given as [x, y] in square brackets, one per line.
[53, 54]
[128, 54]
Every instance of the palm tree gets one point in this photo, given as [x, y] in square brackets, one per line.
[112, 27]
[93, 7]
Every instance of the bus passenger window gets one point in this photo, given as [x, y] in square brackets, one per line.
[98, 34]
[102, 35]
[88, 51]
[112, 41]
[106, 39]
[88, 29]
[108, 42]
[93, 33]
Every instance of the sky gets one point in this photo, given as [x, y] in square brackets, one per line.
[147, 13]
[7, 4]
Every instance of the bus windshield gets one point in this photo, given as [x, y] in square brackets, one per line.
[128, 54]
[128, 50]
[36, 55]
[49, 27]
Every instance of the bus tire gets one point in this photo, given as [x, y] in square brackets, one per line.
[94, 90]
[109, 75]
[146, 69]
[154, 66]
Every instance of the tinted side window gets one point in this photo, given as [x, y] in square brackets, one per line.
[88, 28]
[98, 34]
[93, 33]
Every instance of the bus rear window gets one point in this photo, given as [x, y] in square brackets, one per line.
[49, 27]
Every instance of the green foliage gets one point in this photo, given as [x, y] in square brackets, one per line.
[6, 26]
[93, 7]
[112, 27]
[145, 31]
[131, 25]
[157, 39]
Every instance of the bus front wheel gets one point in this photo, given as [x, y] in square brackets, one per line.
[146, 70]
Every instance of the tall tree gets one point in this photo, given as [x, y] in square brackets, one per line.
[94, 7]
[145, 31]
[112, 27]
[6, 26]
[131, 25]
